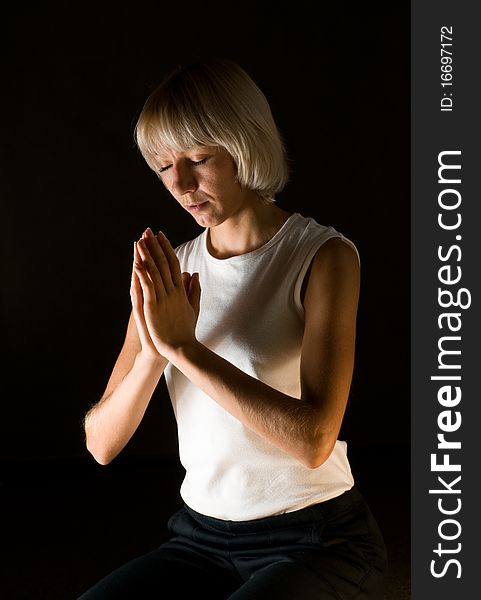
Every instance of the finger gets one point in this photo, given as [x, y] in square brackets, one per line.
[135, 287]
[186, 281]
[136, 292]
[171, 257]
[194, 293]
[137, 299]
[138, 310]
[148, 287]
[137, 259]
[159, 259]
[150, 268]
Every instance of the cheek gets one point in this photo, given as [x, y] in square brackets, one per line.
[221, 178]
[229, 188]
[229, 177]
[165, 181]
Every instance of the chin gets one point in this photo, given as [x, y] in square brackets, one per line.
[208, 220]
[205, 220]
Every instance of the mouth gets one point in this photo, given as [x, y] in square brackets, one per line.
[193, 208]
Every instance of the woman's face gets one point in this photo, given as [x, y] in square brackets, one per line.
[204, 182]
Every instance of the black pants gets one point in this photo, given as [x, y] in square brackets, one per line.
[331, 550]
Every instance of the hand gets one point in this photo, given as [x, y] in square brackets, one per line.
[166, 301]
[137, 299]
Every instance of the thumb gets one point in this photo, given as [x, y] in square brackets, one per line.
[194, 292]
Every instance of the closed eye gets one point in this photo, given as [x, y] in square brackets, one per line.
[199, 162]
[195, 163]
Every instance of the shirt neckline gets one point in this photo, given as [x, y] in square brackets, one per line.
[288, 223]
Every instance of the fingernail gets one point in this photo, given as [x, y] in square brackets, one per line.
[148, 232]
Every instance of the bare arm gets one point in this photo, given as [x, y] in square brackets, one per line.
[306, 428]
[111, 422]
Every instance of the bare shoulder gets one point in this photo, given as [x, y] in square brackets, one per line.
[334, 270]
[337, 249]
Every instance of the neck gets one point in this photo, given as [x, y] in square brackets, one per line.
[246, 231]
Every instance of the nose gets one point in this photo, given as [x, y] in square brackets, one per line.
[183, 180]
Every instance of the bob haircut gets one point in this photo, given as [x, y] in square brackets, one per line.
[215, 103]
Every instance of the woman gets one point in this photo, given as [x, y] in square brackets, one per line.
[253, 323]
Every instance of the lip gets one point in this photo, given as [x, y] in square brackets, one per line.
[194, 207]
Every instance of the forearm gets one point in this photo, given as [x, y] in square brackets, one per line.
[289, 423]
[110, 423]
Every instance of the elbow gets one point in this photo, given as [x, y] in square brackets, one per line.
[317, 453]
[100, 454]
[101, 458]
[314, 461]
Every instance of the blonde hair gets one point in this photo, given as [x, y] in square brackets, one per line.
[216, 103]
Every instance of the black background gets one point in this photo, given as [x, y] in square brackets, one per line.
[76, 194]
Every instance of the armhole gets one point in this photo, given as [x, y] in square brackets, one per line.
[353, 246]
[307, 263]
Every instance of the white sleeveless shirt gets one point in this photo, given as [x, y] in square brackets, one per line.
[251, 314]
